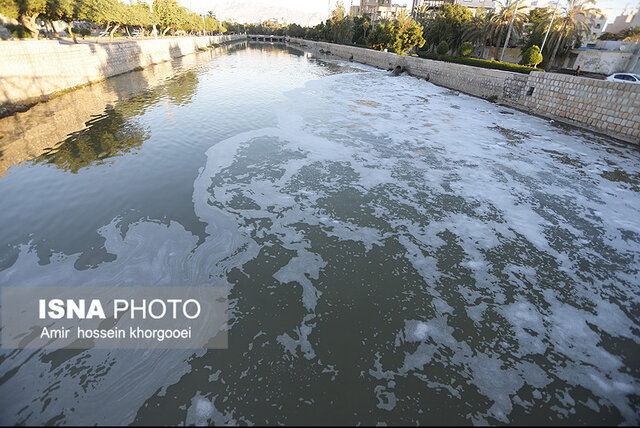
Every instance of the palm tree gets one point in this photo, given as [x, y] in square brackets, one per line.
[574, 22]
[476, 31]
[499, 22]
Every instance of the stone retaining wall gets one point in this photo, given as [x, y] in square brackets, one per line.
[33, 68]
[610, 108]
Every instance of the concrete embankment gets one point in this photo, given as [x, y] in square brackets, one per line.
[608, 108]
[32, 69]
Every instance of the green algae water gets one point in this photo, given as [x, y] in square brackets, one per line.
[395, 252]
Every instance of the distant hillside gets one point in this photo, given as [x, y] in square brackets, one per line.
[253, 12]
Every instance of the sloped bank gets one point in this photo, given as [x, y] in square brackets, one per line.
[608, 108]
[33, 69]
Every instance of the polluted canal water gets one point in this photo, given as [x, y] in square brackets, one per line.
[395, 252]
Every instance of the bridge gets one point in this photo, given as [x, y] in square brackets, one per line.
[272, 39]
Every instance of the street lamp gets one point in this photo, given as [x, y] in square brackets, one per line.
[544, 41]
[506, 42]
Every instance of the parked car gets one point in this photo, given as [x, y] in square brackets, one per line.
[135, 33]
[624, 77]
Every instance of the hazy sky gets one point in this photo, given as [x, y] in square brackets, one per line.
[321, 6]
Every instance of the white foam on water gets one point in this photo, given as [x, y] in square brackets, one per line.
[546, 246]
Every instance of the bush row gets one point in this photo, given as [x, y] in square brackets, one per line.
[476, 62]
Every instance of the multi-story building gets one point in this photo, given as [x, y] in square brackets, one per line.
[474, 5]
[378, 9]
[536, 4]
[478, 5]
[624, 20]
[429, 4]
[599, 24]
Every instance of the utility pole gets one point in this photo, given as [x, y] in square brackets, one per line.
[544, 41]
[506, 42]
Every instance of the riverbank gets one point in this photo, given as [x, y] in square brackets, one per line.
[608, 108]
[33, 71]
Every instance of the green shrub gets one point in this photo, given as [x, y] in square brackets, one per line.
[484, 63]
[443, 47]
[465, 49]
[18, 31]
[532, 56]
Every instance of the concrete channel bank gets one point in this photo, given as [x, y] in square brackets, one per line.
[608, 108]
[31, 69]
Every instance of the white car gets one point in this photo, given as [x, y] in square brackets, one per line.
[624, 77]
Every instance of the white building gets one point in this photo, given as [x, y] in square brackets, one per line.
[378, 9]
[599, 24]
[624, 20]
[478, 5]
[474, 5]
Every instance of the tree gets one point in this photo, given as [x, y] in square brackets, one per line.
[476, 31]
[443, 47]
[575, 21]
[407, 34]
[28, 12]
[465, 49]
[9, 8]
[447, 24]
[381, 37]
[107, 13]
[631, 34]
[361, 26]
[315, 33]
[211, 25]
[140, 15]
[169, 14]
[608, 36]
[295, 30]
[499, 23]
[339, 25]
[538, 22]
[532, 56]
[63, 10]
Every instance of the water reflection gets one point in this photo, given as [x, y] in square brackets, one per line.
[38, 131]
[116, 132]
[106, 136]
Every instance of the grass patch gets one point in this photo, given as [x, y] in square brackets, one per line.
[483, 63]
